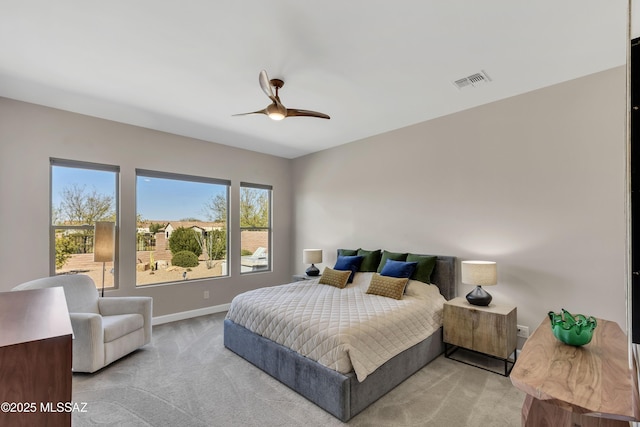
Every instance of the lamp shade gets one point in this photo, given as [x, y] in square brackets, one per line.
[311, 256]
[479, 273]
[104, 238]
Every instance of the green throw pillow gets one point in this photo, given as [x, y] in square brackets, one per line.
[426, 264]
[371, 259]
[348, 252]
[396, 256]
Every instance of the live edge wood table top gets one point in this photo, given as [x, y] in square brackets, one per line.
[596, 379]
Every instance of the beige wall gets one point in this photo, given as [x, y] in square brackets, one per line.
[535, 182]
[31, 134]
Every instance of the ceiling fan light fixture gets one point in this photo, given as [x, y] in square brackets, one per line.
[275, 112]
[276, 115]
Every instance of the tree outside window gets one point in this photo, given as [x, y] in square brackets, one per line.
[182, 227]
[81, 194]
[255, 227]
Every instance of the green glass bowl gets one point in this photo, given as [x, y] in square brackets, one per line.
[572, 329]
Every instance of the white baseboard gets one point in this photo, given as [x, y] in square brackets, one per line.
[173, 317]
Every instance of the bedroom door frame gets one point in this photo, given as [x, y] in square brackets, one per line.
[634, 187]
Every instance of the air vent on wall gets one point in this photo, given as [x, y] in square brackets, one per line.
[473, 80]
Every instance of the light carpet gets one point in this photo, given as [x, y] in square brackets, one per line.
[186, 377]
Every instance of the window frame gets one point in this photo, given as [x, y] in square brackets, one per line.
[269, 228]
[90, 166]
[187, 178]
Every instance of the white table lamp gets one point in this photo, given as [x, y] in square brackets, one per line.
[312, 256]
[479, 273]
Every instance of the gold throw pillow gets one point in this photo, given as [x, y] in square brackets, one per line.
[390, 287]
[335, 278]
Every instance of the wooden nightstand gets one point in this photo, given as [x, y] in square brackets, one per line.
[299, 277]
[490, 330]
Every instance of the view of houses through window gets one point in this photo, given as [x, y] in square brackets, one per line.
[81, 194]
[181, 227]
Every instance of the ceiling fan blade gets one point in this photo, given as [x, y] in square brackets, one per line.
[263, 111]
[292, 112]
[265, 84]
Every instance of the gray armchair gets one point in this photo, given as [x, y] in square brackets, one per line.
[104, 329]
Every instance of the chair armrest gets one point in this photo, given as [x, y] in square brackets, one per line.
[127, 305]
[88, 341]
[86, 326]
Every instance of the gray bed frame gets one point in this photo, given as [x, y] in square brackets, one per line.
[341, 394]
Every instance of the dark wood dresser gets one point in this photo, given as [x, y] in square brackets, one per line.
[35, 358]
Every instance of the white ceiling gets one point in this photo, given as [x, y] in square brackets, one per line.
[373, 66]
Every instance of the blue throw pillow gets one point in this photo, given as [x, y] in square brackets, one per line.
[349, 263]
[398, 268]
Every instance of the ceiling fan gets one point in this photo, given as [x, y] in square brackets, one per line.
[277, 111]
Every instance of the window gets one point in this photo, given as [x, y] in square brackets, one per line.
[81, 194]
[181, 227]
[255, 227]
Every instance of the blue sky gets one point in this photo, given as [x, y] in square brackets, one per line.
[157, 199]
[63, 177]
[168, 199]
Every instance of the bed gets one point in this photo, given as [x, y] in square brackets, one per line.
[342, 394]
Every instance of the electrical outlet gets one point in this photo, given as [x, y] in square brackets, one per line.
[206, 294]
[523, 331]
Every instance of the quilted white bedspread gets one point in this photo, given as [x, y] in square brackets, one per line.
[342, 329]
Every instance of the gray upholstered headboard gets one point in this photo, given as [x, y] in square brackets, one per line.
[444, 276]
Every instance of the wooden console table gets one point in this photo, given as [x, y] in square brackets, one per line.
[591, 385]
[35, 358]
